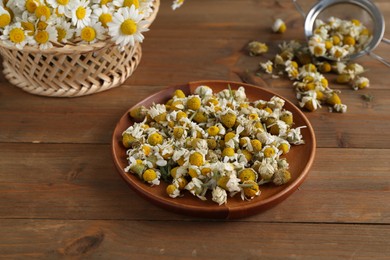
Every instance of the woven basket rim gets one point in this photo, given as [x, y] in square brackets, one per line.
[71, 48]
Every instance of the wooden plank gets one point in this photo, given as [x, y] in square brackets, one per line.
[79, 181]
[206, 240]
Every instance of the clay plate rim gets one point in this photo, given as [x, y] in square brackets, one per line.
[300, 157]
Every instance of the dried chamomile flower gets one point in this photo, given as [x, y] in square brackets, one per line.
[197, 147]
[256, 48]
[219, 195]
[360, 83]
[267, 66]
[337, 38]
[279, 26]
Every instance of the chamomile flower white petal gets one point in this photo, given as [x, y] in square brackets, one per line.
[126, 3]
[65, 32]
[177, 3]
[61, 6]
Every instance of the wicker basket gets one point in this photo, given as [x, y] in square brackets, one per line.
[71, 70]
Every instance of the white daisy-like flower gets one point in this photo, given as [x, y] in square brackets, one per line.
[102, 2]
[127, 27]
[45, 38]
[15, 35]
[5, 17]
[80, 13]
[19, 6]
[126, 3]
[28, 22]
[64, 30]
[177, 3]
[91, 33]
[103, 14]
[61, 6]
[145, 7]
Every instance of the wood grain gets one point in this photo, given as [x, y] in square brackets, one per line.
[61, 196]
[205, 240]
[55, 181]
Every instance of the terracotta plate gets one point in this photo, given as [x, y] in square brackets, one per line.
[300, 158]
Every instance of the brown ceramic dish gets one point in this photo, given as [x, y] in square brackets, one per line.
[300, 159]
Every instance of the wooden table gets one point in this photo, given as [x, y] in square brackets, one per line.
[60, 194]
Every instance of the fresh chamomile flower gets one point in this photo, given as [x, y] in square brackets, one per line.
[145, 7]
[64, 30]
[5, 17]
[61, 6]
[91, 33]
[15, 35]
[127, 27]
[126, 3]
[45, 38]
[103, 14]
[43, 12]
[101, 2]
[80, 13]
[20, 6]
[28, 22]
[177, 3]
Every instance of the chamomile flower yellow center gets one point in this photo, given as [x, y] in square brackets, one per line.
[81, 12]
[149, 175]
[105, 18]
[194, 103]
[228, 151]
[16, 35]
[88, 34]
[105, 2]
[31, 5]
[42, 37]
[128, 27]
[61, 33]
[247, 175]
[213, 130]
[28, 26]
[41, 25]
[5, 19]
[155, 139]
[179, 93]
[62, 2]
[129, 3]
[42, 12]
[196, 159]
